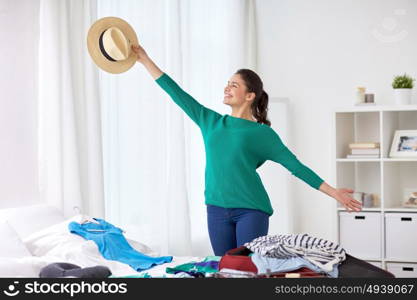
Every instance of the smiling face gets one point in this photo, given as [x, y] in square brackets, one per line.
[235, 92]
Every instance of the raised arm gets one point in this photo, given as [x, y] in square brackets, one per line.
[200, 114]
[147, 62]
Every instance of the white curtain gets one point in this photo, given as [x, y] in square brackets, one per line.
[70, 152]
[19, 36]
[154, 155]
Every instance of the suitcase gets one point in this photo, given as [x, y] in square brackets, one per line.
[299, 273]
[351, 267]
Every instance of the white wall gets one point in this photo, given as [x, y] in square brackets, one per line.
[313, 51]
[18, 108]
[316, 53]
[276, 178]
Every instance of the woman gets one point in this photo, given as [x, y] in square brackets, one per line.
[238, 207]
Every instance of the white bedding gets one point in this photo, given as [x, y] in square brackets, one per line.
[56, 244]
[30, 266]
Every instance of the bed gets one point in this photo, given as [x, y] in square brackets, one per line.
[37, 235]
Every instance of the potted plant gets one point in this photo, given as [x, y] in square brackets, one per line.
[403, 85]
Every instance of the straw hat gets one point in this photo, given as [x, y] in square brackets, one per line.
[109, 43]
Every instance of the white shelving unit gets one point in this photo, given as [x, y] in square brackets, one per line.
[385, 235]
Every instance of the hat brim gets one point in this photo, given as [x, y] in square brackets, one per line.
[93, 46]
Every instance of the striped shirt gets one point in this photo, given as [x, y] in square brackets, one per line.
[322, 253]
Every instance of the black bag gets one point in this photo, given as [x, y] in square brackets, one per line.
[353, 267]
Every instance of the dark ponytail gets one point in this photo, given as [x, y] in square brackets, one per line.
[260, 104]
[260, 108]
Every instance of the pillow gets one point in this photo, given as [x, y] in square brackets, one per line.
[17, 267]
[57, 239]
[11, 244]
[53, 240]
[29, 219]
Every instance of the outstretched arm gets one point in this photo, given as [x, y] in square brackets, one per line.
[278, 152]
[147, 62]
[200, 114]
[342, 196]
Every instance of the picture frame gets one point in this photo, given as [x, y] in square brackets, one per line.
[404, 144]
[410, 198]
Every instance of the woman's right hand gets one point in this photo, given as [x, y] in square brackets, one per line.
[140, 53]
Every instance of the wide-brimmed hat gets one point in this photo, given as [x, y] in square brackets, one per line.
[109, 43]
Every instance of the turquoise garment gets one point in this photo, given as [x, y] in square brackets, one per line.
[235, 148]
[212, 258]
[197, 269]
[113, 245]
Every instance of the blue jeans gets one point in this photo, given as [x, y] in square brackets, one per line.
[232, 227]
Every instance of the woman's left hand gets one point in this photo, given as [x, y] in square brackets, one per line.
[344, 197]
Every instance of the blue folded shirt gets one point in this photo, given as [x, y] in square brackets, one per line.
[287, 264]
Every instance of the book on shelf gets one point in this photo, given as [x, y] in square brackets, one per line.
[365, 151]
[362, 156]
[370, 145]
[365, 103]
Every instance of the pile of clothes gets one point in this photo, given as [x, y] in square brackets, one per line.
[289, 252]
[283, 255]
[294, 255]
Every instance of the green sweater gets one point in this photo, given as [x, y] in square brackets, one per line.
[235, 148]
